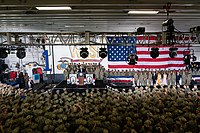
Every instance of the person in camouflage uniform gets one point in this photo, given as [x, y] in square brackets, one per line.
[189, 77]
[184, 78]
[101, 74]
[122, 73]
[65, 72]
[126, 73]
[141, 79]
[174, 78]
[89, 69]
[130, 73]
[149, 79]
[118, 73]
[115, 73]
[169, 78]
[97, 73]
[145, 78]
[136, 78]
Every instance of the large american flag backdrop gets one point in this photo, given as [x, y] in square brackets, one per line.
[117, 56]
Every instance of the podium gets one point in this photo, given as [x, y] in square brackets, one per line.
[81, 76]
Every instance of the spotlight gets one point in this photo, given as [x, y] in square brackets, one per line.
[43, 40]
[103, 53]
[21, 53]
[187, 59]
[132, 59]
[194, 58]
[84, 53]
[154, 52]
[3, 53]
[140, 30]
[173, 52]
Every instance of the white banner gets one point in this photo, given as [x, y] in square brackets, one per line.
[72, 79]
[89, 79]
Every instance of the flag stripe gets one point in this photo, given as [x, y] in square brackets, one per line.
[160, 52]
[150, 63]
[146, 66]
[159, 59]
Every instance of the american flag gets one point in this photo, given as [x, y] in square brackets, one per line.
[118, 54]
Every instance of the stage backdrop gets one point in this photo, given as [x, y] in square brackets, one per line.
[63, 55]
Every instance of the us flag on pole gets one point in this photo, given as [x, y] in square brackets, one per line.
[118, 54]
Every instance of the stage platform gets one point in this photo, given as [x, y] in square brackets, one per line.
[99, 86]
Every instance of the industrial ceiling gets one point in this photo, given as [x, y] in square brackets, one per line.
[96, 15]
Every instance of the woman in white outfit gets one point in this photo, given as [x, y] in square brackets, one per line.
[164, 82]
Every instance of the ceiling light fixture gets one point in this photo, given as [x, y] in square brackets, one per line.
[54, 8]
[74, 26]
[143, 12]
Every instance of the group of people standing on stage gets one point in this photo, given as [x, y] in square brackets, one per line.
[160, 77]
[140, 78]
[89, 68]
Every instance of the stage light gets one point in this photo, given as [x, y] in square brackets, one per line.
[187, 59]
[173, 52]
[3, 53]
[84, 52]
[194, 58]
[21, 53]
[132, 59]
[103, 53]
[140, 30]
[154, 52]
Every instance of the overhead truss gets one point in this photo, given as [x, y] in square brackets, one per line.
[90, 38]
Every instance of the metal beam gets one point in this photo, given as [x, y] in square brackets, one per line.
[31, 39]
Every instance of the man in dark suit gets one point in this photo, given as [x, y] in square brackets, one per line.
[154, 77]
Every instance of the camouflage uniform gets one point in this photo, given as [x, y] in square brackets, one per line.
[173, 78]
[141, 79]
[130, 73]
[169, 78]
[145, 78]
[65, 72]
[184, 78]
[97, 73]
[126, 73]
[149, 79]
[122, 73]
[189, 77]
[101, 76]
[118, 73]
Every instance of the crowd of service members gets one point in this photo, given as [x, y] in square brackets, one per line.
[6, 90]
[145, 109]
[141, 78]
